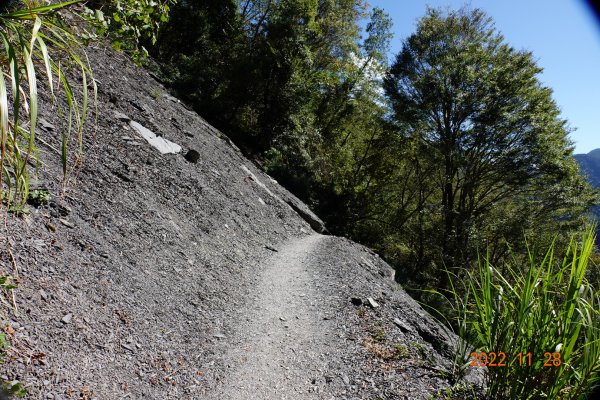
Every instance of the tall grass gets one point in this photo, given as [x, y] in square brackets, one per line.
[34, 43]
[540, 305]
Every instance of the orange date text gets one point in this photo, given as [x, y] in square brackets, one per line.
[501, 359]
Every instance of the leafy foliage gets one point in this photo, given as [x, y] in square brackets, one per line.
[130, 24]
[288, 80]
[9, 388]
[488, 134]
[39, 197]
[33, 38]
[545, 308]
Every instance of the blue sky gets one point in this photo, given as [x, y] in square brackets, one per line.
[563, 35]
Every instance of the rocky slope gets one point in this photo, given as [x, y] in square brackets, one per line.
[192, 274]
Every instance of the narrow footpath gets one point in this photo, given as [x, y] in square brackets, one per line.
[283, 340]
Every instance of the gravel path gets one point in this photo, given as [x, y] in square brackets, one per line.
[281, 341]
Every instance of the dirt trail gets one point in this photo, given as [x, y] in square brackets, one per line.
[282, 341]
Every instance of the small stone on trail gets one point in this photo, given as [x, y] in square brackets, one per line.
[125, 346]
[357, 301]
[219, 336]
[192, 156]
[400, 324]
[121, 117]
[45, 125]
[43, 295]
[346, 379]
[372, 302]
[67, 223]
[67, 319]
[283, 319]
[58, 208]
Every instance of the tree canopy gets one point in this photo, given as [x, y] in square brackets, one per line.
[476, 107]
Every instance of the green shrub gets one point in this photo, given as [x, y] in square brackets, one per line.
[39, 197]
[130, 23]
[543, 307]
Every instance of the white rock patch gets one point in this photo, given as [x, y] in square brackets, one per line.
[163, 145]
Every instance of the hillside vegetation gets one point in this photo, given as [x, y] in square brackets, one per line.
[451, 161]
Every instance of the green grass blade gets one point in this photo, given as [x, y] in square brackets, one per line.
[32, 13]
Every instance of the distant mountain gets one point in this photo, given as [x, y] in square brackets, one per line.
[590, 166]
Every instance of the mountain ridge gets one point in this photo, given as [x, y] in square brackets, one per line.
[590, 166]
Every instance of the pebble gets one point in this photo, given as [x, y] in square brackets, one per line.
[372, 302]
[67, 223]
[67, 319]
[45, 125]
[121, 117]
[346, 379]
[125, 346]
[357, 301]
[404, 327]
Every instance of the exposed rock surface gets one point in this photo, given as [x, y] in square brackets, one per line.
[155, 277]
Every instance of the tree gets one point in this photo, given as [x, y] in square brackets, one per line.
[286, 79]
[476, 107]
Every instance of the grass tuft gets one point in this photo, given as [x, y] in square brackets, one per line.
[540, 304]
[36, 47]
